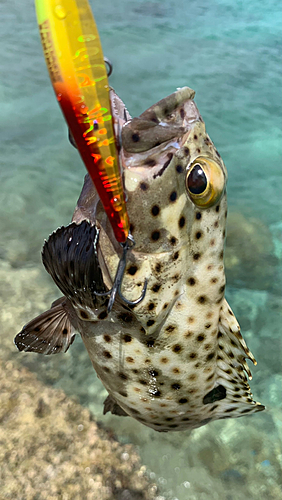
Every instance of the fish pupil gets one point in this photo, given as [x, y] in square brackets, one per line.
[197, 181]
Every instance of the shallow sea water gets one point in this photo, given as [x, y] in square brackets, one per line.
[229, 52]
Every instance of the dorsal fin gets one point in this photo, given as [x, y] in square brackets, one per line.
[50, 332]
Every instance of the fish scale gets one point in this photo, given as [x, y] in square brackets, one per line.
[177, 359]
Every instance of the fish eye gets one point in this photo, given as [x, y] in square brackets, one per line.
[205, 182]
[196, 180]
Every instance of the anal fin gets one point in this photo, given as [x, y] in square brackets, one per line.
[50, 332]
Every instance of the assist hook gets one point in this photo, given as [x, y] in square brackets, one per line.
[116, 288]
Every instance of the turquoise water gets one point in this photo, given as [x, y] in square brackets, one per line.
[230, 53]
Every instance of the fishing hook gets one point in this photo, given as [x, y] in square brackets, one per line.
[116, 288]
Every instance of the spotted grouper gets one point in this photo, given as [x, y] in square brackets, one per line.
[177, 359]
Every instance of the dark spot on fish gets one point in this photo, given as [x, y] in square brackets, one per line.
[155, 210]
[182, 401]
[210, 356]
[225, 214]
[191, 281]
[102, 315]
[210, 377]
[217, 208]
[177, 348]
[155, 235]
[126, 317]
[222, 288]
[214, 280]
[182, 113]
[175, 256]
[151, 306]
[181, 221]
[229, 410]
[208, 325]
[198, 235]
[144, 186]
[164, 360]
[84, 314]
[155, 288]
[107, 338]
[173, 196]
[129, 359]
[106, 369]
[200, 338]
[132, 270]
[175, 278]
[233, 343]
[231, 355]
[123, 393]
[142, 330]
[170, 328]
[202, 299]
[221, 255]
[165, 305]
[176, 387]
[150, 343]
[135, 137]
[217, 153]
[123, 376]
[135, 371]
[186, 151]
[127, 338]
[198, 150]
[195, 137]
[196, 256]
[173, 426]
[168, 419]
[153, 373]
[150, 322]
[143, 382]
[198, 215]
[179, 169]
[65, 331]
[107, 354]
[173, 240]
[151, 162]
[37, 329]
[155, 392]
[158, 267]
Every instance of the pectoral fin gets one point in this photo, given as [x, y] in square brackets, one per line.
[48, 333]
[70, 257]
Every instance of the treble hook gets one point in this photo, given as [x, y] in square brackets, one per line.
[116, 288]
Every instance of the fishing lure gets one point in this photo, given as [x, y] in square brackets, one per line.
[75, 62]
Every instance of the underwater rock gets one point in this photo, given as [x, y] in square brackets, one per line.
[250, 260]
[52, 449]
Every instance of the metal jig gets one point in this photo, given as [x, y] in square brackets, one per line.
[116, 288]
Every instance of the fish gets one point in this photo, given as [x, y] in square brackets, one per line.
[177, 359]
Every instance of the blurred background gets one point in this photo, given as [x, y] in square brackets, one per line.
[229, 52]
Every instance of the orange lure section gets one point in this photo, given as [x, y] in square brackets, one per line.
[78, 73]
